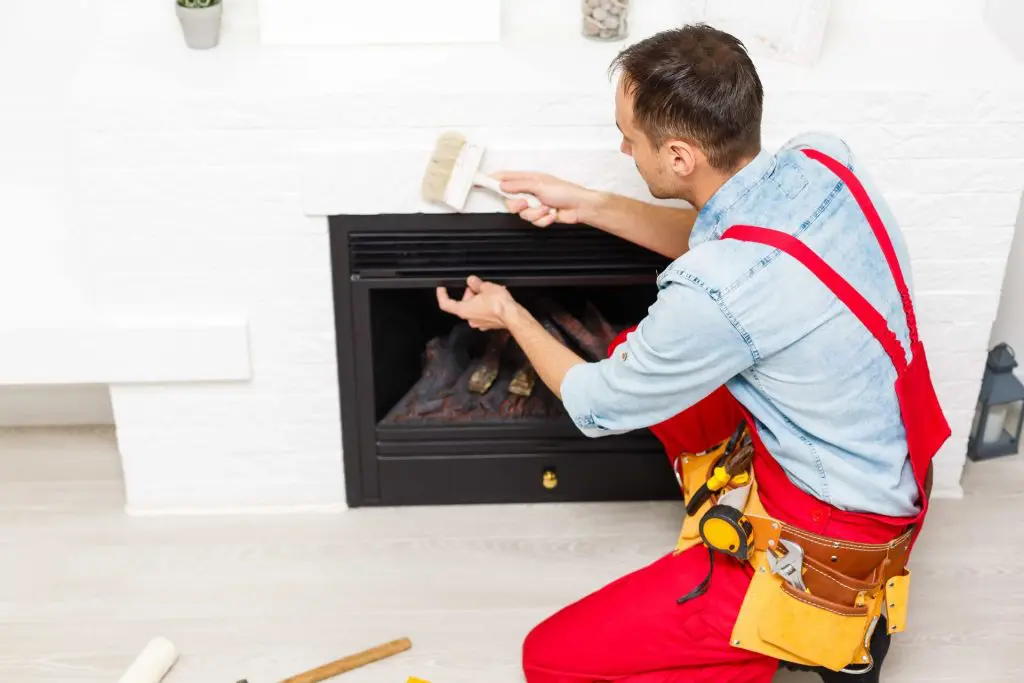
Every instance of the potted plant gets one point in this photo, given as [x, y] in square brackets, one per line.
[200, 22]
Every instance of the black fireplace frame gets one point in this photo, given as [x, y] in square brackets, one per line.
[410, 466]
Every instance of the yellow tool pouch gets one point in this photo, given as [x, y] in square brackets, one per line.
[846, 585]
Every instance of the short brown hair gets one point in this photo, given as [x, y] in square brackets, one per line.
[696, 82]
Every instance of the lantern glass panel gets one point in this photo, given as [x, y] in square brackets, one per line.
[995, 422]
[997, 429]
[1000, 412]
[1014, 420]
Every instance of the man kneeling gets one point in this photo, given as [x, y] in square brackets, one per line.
[780, 366]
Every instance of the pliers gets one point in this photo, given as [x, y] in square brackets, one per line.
[730, 469]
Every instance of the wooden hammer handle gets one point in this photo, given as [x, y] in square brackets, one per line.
[355, 661]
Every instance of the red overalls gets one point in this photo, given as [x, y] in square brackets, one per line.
[633, 630]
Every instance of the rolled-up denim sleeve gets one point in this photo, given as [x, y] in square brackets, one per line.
[682, 351]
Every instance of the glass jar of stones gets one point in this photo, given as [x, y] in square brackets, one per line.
[605, 19]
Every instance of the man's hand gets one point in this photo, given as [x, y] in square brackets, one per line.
[662, 229]
[569, 201]
[485, 305]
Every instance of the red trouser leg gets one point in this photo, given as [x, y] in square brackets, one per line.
[633, 630]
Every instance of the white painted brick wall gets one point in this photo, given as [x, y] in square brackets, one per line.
[188, 192]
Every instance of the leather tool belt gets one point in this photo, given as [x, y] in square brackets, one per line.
[813, 600]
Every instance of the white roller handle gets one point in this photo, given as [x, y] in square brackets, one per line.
[495, 185]
[155, 660]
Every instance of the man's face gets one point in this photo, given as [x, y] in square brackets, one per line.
[660, 168]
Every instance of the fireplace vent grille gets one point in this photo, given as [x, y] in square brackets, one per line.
[501, 253]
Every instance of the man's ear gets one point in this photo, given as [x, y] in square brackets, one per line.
[682, 157]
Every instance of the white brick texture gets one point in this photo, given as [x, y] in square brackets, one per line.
[201, 180]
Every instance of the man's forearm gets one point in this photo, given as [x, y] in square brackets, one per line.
[549, 357]
[662, 229]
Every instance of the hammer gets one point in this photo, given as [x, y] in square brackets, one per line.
[340, 666]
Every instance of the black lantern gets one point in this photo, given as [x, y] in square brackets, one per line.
[1000, 412]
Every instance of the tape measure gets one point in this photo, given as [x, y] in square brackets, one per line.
[727, 530]
[724, 529]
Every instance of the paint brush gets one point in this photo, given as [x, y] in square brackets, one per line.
[454, 170]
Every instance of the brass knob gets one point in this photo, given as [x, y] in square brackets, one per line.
[549, 479]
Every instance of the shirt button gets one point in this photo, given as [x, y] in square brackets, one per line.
[817, 516]
[623, 355]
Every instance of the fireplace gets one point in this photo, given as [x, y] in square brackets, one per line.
[433, 412]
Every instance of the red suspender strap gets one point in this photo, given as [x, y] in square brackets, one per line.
[857, 304]
[881, 234]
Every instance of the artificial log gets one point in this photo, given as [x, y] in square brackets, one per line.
[459, 404]
[490, 403]
[523, 381]
[553, 330]
[485, 371]
[583, 338]
[599, 325]
[541, 405]
[444, 362]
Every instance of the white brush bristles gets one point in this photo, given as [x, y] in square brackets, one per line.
[452, 171]
[442, 165]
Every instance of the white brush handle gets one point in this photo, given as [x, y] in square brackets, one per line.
[494, 185]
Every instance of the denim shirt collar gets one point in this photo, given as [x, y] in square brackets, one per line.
[712, 220]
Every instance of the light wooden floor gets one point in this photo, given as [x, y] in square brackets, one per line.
[83, 587]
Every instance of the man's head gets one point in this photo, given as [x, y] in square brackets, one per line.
[688, 105]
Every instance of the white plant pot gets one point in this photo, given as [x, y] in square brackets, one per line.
[201, 26]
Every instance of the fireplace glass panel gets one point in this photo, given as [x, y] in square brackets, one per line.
[412, 336]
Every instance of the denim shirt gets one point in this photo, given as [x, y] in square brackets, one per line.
[819, 386]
